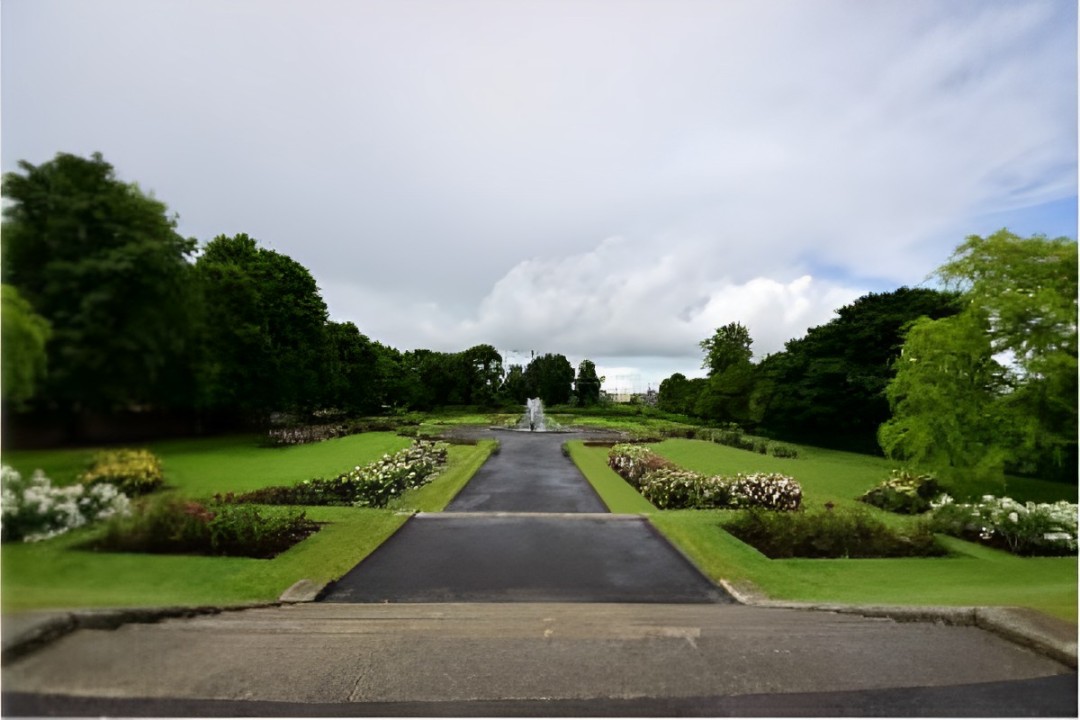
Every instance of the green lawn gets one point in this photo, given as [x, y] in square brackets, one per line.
[970, 575]
[202, 467]
[56, 574]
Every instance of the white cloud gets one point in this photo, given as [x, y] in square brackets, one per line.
[447, 169]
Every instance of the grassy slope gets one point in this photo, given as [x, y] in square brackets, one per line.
[973, 575]
[55, 574]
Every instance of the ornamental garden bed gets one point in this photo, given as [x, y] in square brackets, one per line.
[667, 486]
[831, 533]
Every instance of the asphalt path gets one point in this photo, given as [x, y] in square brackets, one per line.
[529, 474]
[528, 527]
[525, 558]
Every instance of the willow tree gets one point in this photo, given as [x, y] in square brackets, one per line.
[994, 387]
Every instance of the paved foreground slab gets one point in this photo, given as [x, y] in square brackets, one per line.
[577, 557]
[588, 657]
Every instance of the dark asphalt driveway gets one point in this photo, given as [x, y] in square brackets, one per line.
[529, 474]
[528, 527]
[525, 558]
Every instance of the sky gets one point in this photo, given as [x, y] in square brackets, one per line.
[606, 179]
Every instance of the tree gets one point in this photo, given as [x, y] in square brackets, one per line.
[587, 384]
[103, 263]
[945, 400]
[550, 378]
[679, 395]
[829, 386]
[726, 395]
[514, 387]
[1019, 305]
[483, 373]
[1027, 287]
[729, 345]
[265, 329]
[351, 370]
[23, 341]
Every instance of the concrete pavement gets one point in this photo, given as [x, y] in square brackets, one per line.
[341, 653]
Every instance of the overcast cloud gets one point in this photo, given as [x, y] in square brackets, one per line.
[602, 178]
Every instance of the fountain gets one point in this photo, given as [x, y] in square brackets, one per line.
[534, 415]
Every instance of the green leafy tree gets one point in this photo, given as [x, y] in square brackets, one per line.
[351, 366]
[514, 388]
[587, 384]
[482, 367]
[729, 346]
[726, 394]
[265, 329]
[679, 395]
[828, 387]
[23, 341]
[1019, 300]
[550, 377]
[945, 397]
[725, 397]
[103, 263]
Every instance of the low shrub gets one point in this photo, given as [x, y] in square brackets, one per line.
[831, 533]
[904, 492]
[31, 509]
[1004, 523]
[781, 450]
[372, 485]
[133, 472]
[177, 526]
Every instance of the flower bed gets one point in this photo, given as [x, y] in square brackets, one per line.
[847, 533]
[133, 472]
[303, 434]
[904, 492]
[372, 485]
[669, 487]
[32, 509]
[1004, 523]
[633, 462]
[177, 526]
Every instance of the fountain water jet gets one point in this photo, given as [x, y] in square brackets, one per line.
[534, 415]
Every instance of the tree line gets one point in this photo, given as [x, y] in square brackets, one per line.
[979, 378]
[107, 308]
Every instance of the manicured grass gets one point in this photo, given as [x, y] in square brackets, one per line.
[202, 467]
[613, 490]
[830, 475]
[971, 575]
[56, 574]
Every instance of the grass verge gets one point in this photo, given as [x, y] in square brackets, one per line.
[970, 575]
[57, 574]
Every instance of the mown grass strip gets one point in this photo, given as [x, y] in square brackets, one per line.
[612, 489]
